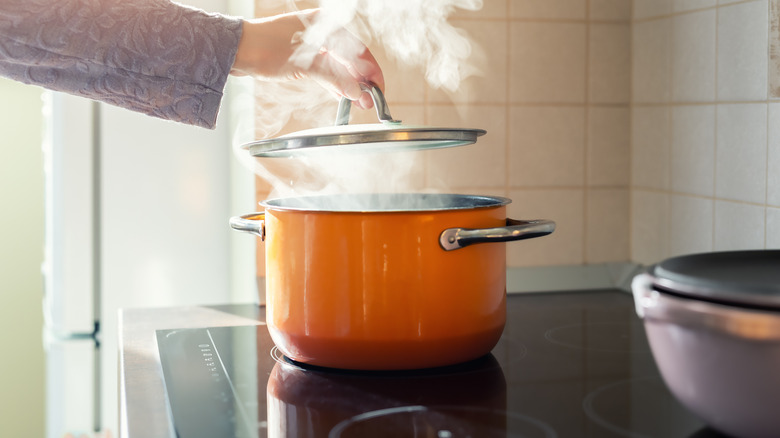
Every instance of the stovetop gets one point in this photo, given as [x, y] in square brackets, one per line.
[568, 365]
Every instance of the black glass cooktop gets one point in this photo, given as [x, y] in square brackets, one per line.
[573, 364]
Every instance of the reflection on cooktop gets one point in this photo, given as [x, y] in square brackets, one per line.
[568, 365]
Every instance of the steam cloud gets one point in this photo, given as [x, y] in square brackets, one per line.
[414, 33]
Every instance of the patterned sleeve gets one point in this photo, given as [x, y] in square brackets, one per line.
[152, 56]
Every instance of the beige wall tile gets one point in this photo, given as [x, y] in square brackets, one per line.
[403, 84]
[773, 165]
[742, 51]
[774, 49]
[693, 57]
[608, 155]
[546, 146]
[550, 9]
[715, 151]
[649, 226]
[650, 60]
[738, 226]
[397, 171]
[773, 228]
[409, 114]
[650, 138]
[489, 60]
[693, 150]
[691, 222]
[651, 8]
[480, 165]
[610, 10]
[490, 9]
[547, 62]
[608, 231]
[565, 245]
[264, 8]
[740, 161]
[609, 76]
[491, 191]
[689, 5]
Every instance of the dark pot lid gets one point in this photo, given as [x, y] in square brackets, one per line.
[746, 278]
[389, 135]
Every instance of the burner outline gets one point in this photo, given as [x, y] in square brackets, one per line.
[339, 428]
[549, 336]
[590, 410]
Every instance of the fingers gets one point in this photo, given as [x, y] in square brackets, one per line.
[349, 62]
[273, 47]
[335, 76]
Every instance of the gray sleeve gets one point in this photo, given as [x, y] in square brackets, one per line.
[153, 56]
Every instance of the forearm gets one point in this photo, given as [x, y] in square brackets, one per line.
[151, 56]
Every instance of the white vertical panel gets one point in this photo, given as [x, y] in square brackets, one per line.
[70, 394]
[69, 249]
[164, 222]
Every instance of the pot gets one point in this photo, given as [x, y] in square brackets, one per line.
[713, 323]
[386, 281]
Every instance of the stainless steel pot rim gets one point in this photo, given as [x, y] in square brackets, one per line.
[384, 202]
[739, 278]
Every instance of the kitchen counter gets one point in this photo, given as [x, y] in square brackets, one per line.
[143, 406]
[568, 364]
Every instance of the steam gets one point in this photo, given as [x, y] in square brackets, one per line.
[413, 33]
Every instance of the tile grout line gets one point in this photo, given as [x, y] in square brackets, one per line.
[670, 133]
[695, 196]
[667, 244]
[766, 178]
[631, 133]
[705, 103]
[586, 139]
[690, 11]
[542, 20]
[770, 8]
[715, 134]
[507, 107]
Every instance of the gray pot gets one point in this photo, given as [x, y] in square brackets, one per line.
[713, 323]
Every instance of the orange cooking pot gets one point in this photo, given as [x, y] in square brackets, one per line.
[386, 281]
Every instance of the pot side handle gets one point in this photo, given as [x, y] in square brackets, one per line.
[253, 223]
[454, 238]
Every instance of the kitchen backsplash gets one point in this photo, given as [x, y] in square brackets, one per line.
[705, 143]
[644, 128]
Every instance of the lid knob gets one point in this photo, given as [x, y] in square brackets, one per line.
[380, 105]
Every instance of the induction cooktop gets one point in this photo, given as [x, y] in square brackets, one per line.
[569, 364]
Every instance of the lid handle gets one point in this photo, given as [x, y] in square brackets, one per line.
[380, 105]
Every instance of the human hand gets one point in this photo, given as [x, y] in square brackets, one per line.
[274, 48]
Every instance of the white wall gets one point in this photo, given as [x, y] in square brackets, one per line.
[21, 254]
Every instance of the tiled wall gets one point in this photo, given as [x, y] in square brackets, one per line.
[644, 128]
[554, 96]
[705, 131]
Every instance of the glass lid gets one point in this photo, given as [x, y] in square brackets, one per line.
[386, 136]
